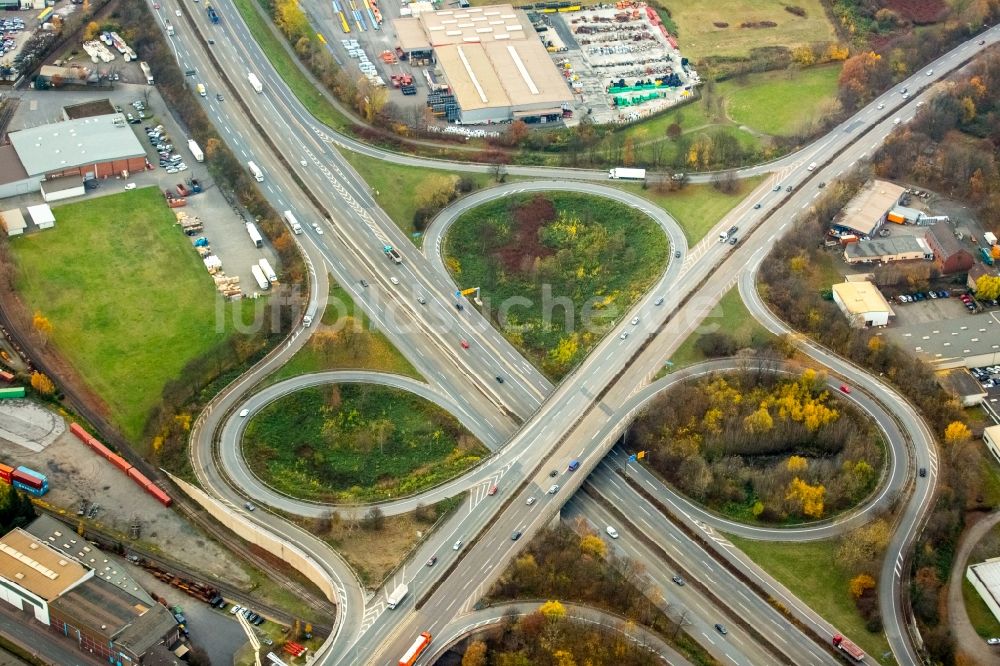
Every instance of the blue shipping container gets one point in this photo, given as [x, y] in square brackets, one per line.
[34, 491]
[38, 475]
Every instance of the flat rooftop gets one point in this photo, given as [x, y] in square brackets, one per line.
[475, 24]
[952, 338]
[861, 297]
[74, 143]
[36, 567]
[516, 75]
[864, 212]
[877, 248]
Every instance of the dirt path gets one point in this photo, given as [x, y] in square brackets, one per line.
[969, 642]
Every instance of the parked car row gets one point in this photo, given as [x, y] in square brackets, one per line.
[922, 296]
[169, 160]
[988, 376]
[251, 617]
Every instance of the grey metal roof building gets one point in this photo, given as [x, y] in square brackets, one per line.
[71, 144]
[899, 248]
[971, 342]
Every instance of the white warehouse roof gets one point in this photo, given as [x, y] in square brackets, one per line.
[74, 143]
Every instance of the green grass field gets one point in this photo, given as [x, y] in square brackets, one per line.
[781, 103]
[700, 38]
[357, 443]
[395, 186]
[697, 208]
[730, 316]
[556, 270]
[129, 300]
[824, 589]
[331, 348]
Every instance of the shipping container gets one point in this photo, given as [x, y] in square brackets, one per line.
[159, 495]
[78, 430]
[120, 463]
[138, 477]
[6, 376]
[13, 392]
[37, 492]
[898, 219]
[17, 476]
[38, 475]
[5, 472]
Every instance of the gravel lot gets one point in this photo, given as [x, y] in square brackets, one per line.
[76, 473]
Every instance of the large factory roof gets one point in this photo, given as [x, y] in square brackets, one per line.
[864, 212]
[475, 24]
[503, 74]
[73, 143]
[36, 567]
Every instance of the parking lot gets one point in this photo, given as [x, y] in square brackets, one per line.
[224, 229]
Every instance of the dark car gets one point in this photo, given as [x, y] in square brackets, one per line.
[923, 472]
[678, 580]
[516, 535]
[721, 628]
[431, 562]
[553, 472]
[364, 283]
[218, 96]
[459, 307]
[822, 184]
[500, 379]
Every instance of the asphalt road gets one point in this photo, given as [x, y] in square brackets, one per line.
[563, 423]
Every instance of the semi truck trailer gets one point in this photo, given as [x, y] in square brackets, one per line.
[628, 174]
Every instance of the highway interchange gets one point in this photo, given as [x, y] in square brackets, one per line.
[534, 426]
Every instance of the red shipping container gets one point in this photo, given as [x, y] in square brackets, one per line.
[5, 472]
[160, 496]
[26, 479]
[138, 477]
[6, 376]
[78, 430]
[120, 463]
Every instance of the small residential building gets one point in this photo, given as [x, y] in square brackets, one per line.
[991, 437]
[42, 216]
[862, 303]
[950, 256]
[961, 384]
[886, 250]
[866, 212]
[985, 577]
[13, 222]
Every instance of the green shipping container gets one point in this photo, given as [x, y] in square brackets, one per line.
[16, 392]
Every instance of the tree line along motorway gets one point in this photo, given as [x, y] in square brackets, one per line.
[352, 197]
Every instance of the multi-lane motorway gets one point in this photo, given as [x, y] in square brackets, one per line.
[556, 423]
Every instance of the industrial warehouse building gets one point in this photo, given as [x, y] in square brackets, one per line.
[491, 59]
[866, 212]
[991, 437]
[862, 303]
[985, 577]
[84, 148]
[886, 250]
[60, 580]
[950, 256]
[967, 342]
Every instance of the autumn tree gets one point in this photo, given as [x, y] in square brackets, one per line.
[810, 498]
[861, 584]
[91, 32]
[475, 654]
[42, 325]
[553, 610]
[862, 549]
[988, 287]
[957, 433]
[42, 384]
[593, 546]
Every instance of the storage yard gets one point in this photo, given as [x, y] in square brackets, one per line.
[479, 66]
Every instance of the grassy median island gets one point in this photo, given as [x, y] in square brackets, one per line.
[129, 301]
[356, 443]
[762, 448]
[557, 270]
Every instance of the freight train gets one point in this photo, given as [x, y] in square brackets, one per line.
[122, 464]
[23, 478]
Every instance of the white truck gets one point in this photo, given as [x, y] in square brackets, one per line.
[307, 320]
[147, 72]
[258, 87]
[170, 29]
[292, 222]
[628, 174]
[269, 273]
[259, 276]
[258, 175]
[196, 150]
[255, 236]
[397, 595]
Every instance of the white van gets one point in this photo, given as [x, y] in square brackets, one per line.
[812, 166]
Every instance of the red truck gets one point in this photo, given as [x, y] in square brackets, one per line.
[845, 645]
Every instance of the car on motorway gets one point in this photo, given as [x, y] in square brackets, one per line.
[788, 189]
[531, 500]
[612, 532]
[880, 106]
[756, 206]
[623, 335]
[431, 562]
[922, 472]
[553, 489]
[553, 472]
[930, 72]
[515, 535]
[493, 490]
[244, 413]
[903, 90]
[777, 188]
[822, 184]
[845, 388]
[249, 506]
[906, 95]
[499, 379]
[459, 307]
[678, 580]
[734, 240]
[992, 641]
[319, 230]
[897, 121]
[658, 301]
[982, 41]
[177, 12]
[635, 321]
[677, 254]
[573, 465]
[465, 344]
[421, 300]
[218, 96]
[721, 628]
[363, 283]
[394, 280]
[458, 544]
